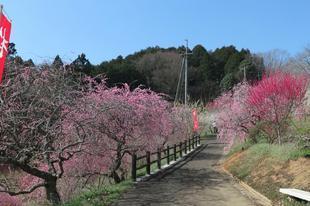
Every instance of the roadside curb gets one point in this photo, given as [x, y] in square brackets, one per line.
[256, 196]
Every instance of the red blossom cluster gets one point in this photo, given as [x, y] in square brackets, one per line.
[271, 102]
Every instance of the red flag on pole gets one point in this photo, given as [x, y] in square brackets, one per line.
[5, 31]
[195, 120]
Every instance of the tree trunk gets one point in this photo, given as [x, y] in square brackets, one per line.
[279, 135]
[51, 191]
[117, 164]
[116, 177]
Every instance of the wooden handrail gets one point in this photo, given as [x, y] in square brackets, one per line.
[185, 146]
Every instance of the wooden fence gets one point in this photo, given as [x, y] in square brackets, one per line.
[170, 153]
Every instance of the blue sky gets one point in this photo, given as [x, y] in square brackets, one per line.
[105, 29]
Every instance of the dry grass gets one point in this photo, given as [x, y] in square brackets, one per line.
[267, 173]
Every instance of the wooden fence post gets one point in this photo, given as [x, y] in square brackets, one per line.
[159, 159]
[175, 152]
[134, 167]
[191, 143]
[148, 163]
[185, 147]
[181, 149]
[168, 155]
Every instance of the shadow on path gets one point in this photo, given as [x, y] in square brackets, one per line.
[193, 181]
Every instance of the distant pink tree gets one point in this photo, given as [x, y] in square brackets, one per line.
[182, 124]
[234, 118]
[272, 102]
[276, 98]
[120, 122]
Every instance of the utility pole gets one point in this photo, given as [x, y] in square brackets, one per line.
[185, 75]
[244, 73]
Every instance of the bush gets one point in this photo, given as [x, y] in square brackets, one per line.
[100, 196]
[238, 147]
[282, 152]
[300, 129]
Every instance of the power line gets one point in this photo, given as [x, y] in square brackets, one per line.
[183, 74]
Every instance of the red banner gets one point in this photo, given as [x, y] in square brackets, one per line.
[5, 31]
[195, 120]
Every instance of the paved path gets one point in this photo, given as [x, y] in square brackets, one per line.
[194, 182]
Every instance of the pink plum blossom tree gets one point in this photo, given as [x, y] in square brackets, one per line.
[55, 131]
[31, 128]
[121, 122]
[234, 118]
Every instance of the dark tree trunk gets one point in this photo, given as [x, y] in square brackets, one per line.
[116, 177]
[51, 191]
[117, 164]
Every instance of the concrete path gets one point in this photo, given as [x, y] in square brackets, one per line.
[193, 182]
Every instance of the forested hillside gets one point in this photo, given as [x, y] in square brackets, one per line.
[210, 72]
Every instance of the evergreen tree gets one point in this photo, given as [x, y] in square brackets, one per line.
[11, 49]
[198, 54]
[57, 63]
[81, 64]
[29, 63]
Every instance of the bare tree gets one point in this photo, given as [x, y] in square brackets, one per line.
[161, 70]
[302, 61]
[275, 59]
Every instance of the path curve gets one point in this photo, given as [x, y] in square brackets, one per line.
[196, 182]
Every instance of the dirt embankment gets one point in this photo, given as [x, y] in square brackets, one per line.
[267, 174]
